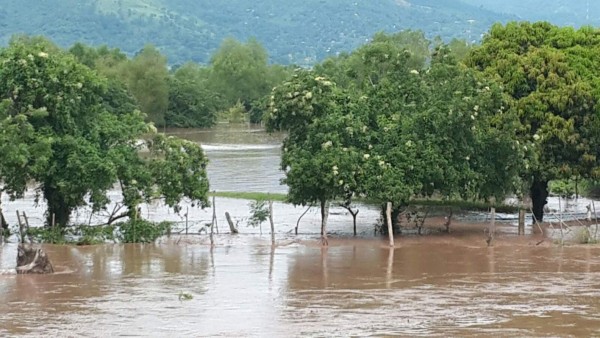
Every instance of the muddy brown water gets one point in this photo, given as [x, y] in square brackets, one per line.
[243, 287]
[438, 285]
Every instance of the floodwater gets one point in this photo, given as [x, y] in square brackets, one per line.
[353, 288]
[438, 285]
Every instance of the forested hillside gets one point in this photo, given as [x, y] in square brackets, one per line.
[299, 32]
[560, 12]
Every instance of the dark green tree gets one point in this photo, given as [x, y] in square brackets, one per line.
[552, 95]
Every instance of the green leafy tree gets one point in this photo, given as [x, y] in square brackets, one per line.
[146, 78]
[241, 74]
[552, 95]
[320, 158]
[190, 104]
[74, 139]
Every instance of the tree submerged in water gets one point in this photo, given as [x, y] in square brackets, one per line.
[259, 213]
[67, 129]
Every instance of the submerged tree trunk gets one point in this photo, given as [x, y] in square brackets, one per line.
[539, 199]
[58, 212]
[32, 260]
[353, 213]
[324, 216]
[3, 223]
[395, 220]
[232, 227]
[388, 214]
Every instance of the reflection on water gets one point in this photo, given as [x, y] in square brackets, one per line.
[355, 288]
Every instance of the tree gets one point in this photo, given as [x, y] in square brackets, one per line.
[240, 73]
[320, 154]
[74, 138]
[146, 78]
[191, 104]
[392, 134]
[553, 98]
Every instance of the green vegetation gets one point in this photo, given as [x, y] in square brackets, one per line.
[390, 132]
[232, 88]
[142, 231]
[131, 231]
[401, 119]
[548, 74]
[70, 132]
[259, 213]
[295, 32]
[251, 195]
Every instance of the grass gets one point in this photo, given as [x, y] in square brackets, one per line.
[251, 195]
[455, 204]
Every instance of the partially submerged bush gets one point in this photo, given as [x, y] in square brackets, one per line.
[142, 231]
[139, 231]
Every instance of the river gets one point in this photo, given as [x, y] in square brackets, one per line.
[439, 285]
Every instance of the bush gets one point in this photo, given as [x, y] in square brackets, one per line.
[142, 231]
[92, 235]
[55, 235]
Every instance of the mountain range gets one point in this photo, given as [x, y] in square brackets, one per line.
[293, 32]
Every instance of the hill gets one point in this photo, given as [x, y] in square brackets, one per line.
[299, 32]
[559, 12]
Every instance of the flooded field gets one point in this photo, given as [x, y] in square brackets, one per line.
[436, 285]
[243, 287]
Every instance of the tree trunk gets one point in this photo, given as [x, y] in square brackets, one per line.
[395, 220]
[539, 199]
[3, 223]
[324, 216]
[388, 214]
[492, 228]
[353, 213]
[32, 260]
[232, 227]
[354, 221]
[272, 223]
[58, 210]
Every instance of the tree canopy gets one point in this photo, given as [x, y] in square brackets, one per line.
[74, 139]
[545, 72]
[391, 133]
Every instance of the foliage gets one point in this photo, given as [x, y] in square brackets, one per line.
[545, 71]
[69, 130]
[178, 171]
[319, 161]
[241, 74]
[51, 235]
[191, 103]
[92, 235]
[562, 188]
[259, 212]
[295, 32]
[142, 231]
[250, 195]
[391, 133]
[146, 78]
